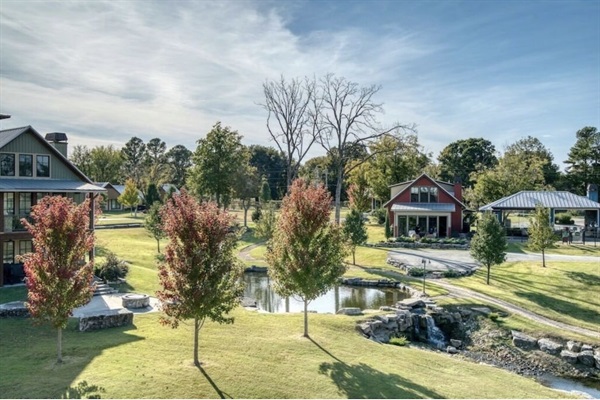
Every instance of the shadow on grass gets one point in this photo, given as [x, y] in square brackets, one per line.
[29, 352]
[361, 381]
[585, 278]
[561, 306]
[221, 393]
[515, 248]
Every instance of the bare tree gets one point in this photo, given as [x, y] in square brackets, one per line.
[347, 122]
[292, 108]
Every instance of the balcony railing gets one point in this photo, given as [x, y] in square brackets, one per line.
[12, 223]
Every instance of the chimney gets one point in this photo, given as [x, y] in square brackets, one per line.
[59, 141]
[458, 189]
[592, 192]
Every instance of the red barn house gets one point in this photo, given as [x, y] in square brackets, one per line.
[426, 206]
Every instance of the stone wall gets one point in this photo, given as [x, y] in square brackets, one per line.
[571, 351]
[14, 309]
[105, 319]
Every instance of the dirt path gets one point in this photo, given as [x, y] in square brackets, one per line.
[467, 293]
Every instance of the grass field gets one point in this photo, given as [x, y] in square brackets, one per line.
[259, 356]
[570, 250]
[564, 291]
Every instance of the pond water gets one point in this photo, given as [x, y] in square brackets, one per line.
[571, 386]
[258, 288]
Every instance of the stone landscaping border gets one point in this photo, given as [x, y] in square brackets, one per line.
[419, 245]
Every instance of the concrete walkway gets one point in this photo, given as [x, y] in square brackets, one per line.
[113, 302]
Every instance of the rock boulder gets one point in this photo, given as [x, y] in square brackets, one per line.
[549, 346]
[524, 341]
[569, 356]
[349, 311]
[586, 358]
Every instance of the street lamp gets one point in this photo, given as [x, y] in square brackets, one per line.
[424, 262]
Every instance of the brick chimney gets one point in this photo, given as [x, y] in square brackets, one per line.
[59, 141]
[458, 189]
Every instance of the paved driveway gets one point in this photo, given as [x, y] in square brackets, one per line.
[112, 302]
[461, 260]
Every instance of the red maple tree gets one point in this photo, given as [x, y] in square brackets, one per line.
[58, 278]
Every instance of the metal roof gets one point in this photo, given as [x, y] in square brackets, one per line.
[8, 135]
[167, 187]
[47, 185]
[119, 188]
[528, 199]
[434, 207]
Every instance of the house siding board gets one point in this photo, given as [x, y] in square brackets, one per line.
[29, 143]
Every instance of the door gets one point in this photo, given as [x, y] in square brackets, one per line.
[443, 227]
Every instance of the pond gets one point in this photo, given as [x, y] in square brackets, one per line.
[572, 386]
[258, 288]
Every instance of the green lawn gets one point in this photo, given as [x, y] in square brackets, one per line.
[564, 291]
[259, 356]
[120, 217]
[571, 250]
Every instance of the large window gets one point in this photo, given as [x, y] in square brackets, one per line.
[42, 166]
[25, 246]
[423, 194]
[9, 203]
[25, 203]
[7, 164]
[8, 253]
[25, 165]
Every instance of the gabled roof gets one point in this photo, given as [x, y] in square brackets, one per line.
[167, 188]
[410, 183]
[528, 199]
[8, 135]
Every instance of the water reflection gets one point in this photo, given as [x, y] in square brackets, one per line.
[258, 287]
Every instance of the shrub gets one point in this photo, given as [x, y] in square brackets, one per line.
[111, 269]
[451, 274]
[564, 219]
[404, 239]
[380, 214]
[399, 341]
[415, 271]
[494, 316]
[256, 214]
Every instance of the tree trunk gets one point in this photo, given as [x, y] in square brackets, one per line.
[196, 330]
[59, 346]
[245, 214]
[305, 318]
[338, 194]
[488, 275]
[354, 256]
[158, 245]
[543, 259]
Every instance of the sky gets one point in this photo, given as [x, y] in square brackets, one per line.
[105, 71]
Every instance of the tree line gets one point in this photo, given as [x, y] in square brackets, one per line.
[340, 117]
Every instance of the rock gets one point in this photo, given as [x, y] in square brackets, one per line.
[483, 310]
[569, 356]
[14, 309]
[574, 346]
[451, 350]
[412, 303]
[349, 311]
[364, 328]
[385, 308]
[105, 319]
[586, 347]
[597, 360]
[587, 358]
[392, 317]
[134, 300]
[456, 343]
[457, 316]
[549, 346]
[523, 341]
[465, 313]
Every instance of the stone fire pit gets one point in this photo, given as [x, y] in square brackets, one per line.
[136, 300]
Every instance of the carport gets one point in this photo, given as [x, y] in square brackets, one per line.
[556, 201]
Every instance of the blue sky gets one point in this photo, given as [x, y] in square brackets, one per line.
[106, 71]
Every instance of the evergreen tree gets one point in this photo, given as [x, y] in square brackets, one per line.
[584, 160]
[152, 195]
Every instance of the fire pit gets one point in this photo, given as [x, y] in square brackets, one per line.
[136, 300]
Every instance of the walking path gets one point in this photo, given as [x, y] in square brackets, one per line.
[244, 254]
[461, 260]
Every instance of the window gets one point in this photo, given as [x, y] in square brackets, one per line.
[8, 253]
[25, 246]
[42, 166]
[424, 197]
[9, 203]
[414, 194]
[423, 194]
[7, 164]
[25, 165]
[25, 203]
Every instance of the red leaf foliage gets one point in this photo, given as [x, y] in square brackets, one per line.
[58, 278]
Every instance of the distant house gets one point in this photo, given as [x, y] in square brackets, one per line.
[32, 167]
[166, 189]
[426, 206]
[113, 192]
